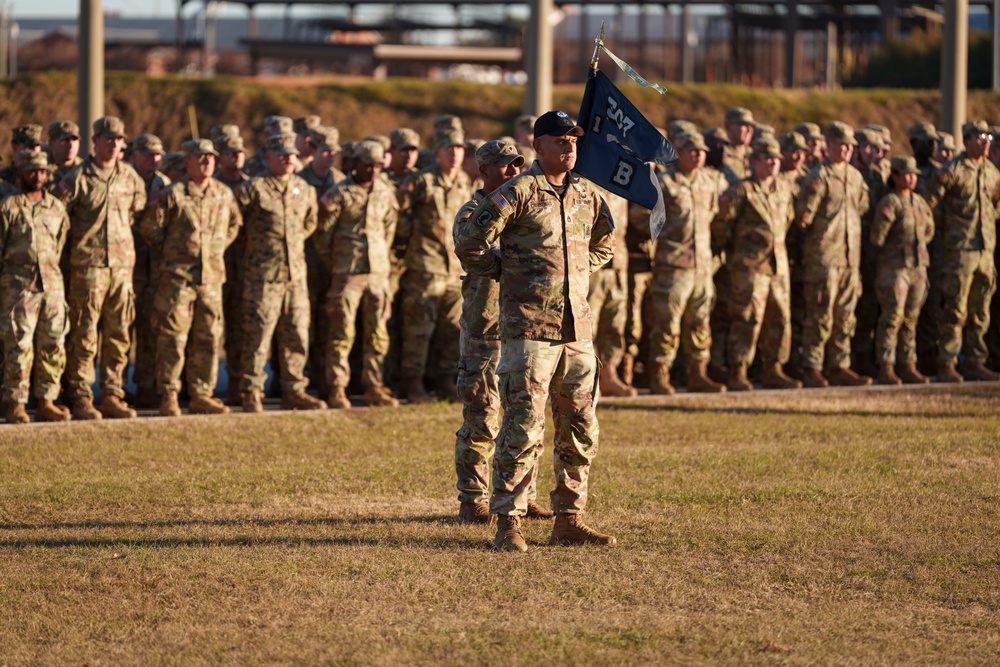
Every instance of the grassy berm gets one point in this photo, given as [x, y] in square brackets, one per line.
[824, 527]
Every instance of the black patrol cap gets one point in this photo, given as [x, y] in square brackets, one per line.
[556, 124]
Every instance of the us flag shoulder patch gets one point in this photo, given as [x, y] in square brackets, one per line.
[499, 200]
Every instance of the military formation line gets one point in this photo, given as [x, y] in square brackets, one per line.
[836, 259]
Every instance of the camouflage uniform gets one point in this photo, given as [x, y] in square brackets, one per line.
[32, 300]
[640, 275]
[23, 137]
[968, 195]
[232, 289]
[432, 289]
[317, 273]
[548, 248]
[735, 167]
[190, 230]
[682, 292]
[146, 281]
[757, 218]
[357, 228]
[278, 217]
[608, 294]
[929, 322]
[102, 205]
[901, 230]
[829, 208]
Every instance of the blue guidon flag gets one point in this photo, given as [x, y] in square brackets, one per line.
[619, 146]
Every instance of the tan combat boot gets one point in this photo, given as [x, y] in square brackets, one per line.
[659, 380]
[628, 369]
[570, 529]
[252, 401]
[536, 511]
[472, 512]
[415, 392]
[698, 381]
[299, 400]
[775, 378]
[887, 375]
[947, 373]
[845, 377]
[909, 374]
[610, 384]
[337, 400]
[50, 412]
[380, 396]
[738, 380]
[813, 379]
[16, 414]
[509, 537]
[83, 409]
[207, 405]
[233, 395]
[976, 371]
[168, 404]
[113, 407]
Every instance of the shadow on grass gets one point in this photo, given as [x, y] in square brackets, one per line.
[239, 541]
[180, 523]
[747, 410]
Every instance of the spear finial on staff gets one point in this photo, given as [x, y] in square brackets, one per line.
[598, 43]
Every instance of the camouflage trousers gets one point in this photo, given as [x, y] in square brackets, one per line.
[145, 283]
[531, 373]
[760, 310]
[475, 442]
[348, 293]
[720, 318]
[929, 321]
[901, 295]
[829, 325]
[275, 310]
[318, 279]
[607, 297]
[797, 313]
[184, 311]
[638, 290]
[101, 310]
[432, 306]
[968, 281]
[232, 304]
[681, 301]
[33, 332]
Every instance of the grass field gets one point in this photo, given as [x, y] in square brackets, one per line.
[823, 527]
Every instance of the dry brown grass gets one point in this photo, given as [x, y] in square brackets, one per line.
[830, 527]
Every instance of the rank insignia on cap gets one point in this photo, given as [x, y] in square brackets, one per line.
[499, 200]
[466, 214]
[562, 114]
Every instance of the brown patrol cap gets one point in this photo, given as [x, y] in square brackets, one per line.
[199, 147]
[809, 131]
[527, 152]
[109, 127]
[278, 125]
[903, 164]
[404, 137]
[762, 130]
[838, 131]
[868, 137]
[792, 141]
[715, 136]
[27, 135]
[446, 122]
[283, 144]
[149, 144]
[228, 143]
[974, 127]
[679, 126]
[883, 130]
[31, 161]
[449, 138]
[224, 130]
[686, 141]
[498, 153]
[525, 122]
[380, 139]
[739, 115]
[766, 146]
[947, 141]
[62, 129]
[369, 152]
[303, 124]
[556, 124]
[921, 131]
[325, 138]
